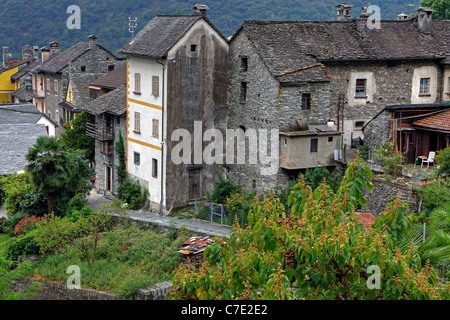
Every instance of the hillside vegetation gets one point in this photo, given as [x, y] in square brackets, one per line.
[39, 22]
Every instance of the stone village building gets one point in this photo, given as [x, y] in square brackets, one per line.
[298, 76]
[61, 82]
[177, 74]
[109, 107]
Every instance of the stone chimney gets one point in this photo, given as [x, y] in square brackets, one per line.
[45, 53]
[364, 15]
[424, 16]
[6, 56]
[402, 16]
[27, 52]
[92, 42]
[54, 47]
[35, 52]
[344, 11]
[200, 9]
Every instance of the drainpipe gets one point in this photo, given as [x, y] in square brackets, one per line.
[161, 205]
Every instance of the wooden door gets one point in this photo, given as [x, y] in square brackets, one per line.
[194, 184]
[108, 179]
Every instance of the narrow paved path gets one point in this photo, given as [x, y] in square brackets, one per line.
[203, 227]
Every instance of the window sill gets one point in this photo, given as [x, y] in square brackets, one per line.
[138, 132]
[138, 93]
[425, 95]
[365, 97]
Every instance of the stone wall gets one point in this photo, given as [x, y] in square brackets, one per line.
[377, 131]
[385, 192]
[57, 291]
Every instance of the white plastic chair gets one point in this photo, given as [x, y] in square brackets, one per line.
[429, 160]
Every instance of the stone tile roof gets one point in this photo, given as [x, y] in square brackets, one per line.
[15, 64]
[19, 114]
[60, 60]
[32, 65]
[23, 94]
[114, 102]
[438, 122]
[293, 45]
[161, 34]
[112, 79]
[15, 140]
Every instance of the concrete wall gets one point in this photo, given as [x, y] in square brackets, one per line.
[296, 153]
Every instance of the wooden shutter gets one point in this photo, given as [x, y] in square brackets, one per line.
[137, 82]
[137, 122]
[155, 127]
[155, 86]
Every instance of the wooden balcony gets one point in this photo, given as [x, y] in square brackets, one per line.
[100, 131]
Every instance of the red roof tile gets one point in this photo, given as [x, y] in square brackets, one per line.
[366, 218]
[439, 121]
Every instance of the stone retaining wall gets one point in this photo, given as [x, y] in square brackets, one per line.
[57, 291]
[385, 192]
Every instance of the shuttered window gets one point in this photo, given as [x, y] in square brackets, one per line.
[137, 122]
[424, 86]
[137, 83]
[155, 128]
[154, 168]
[155, 86]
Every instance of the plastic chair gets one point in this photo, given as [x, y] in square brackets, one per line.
[429, 160]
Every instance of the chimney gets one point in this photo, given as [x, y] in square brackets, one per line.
[6, 56]
[27, 52]
[92, 42]
[45, 53]
[402, 16]
[54, 47]
[200, 9]
[35, 52]
[424, 16]
[364, 15]
[344, 11]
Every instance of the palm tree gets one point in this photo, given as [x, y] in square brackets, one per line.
[48, 167]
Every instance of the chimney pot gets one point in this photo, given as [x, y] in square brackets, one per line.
[45, 53]
[5, 57]
[200, 9]
[54, 47]
[344, 10]
[424, 16]
[92, 42]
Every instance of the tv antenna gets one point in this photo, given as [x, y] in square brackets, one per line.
[132, 24]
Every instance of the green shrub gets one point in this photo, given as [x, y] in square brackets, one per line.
[3, 223]
[435, 195]
[132, 193]
[13, 221]
[76, 203]
[315, 177]
[23, 244]
[443, 160]
[223, 190]
[390, 159]
[75, 215]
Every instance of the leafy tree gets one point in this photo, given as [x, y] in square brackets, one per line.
[320, 250]
[443, 160]
[441, 8]
[121, 168]
[75, 136]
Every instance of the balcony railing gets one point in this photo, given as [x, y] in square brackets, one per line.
[100, 131]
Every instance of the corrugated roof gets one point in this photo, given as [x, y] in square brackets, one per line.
[438, 122]
[195, 245]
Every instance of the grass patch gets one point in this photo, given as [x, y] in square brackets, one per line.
[128, 258]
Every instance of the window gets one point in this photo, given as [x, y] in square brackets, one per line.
[41, 83]
[57, 116]
[137, 122]
[360, 91]
[106, 147]
[56, 87]
[155, 128]
[137, 158]
[193, 47]
[359, 124]
[155, 86]
[306, 101]
[313, 145]
[111, 67]
[330, 139]
[83, 68]
[424, 87]
[244, 63]
[137, 83]
[48, 85]
[155, 168]
[243, 91]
